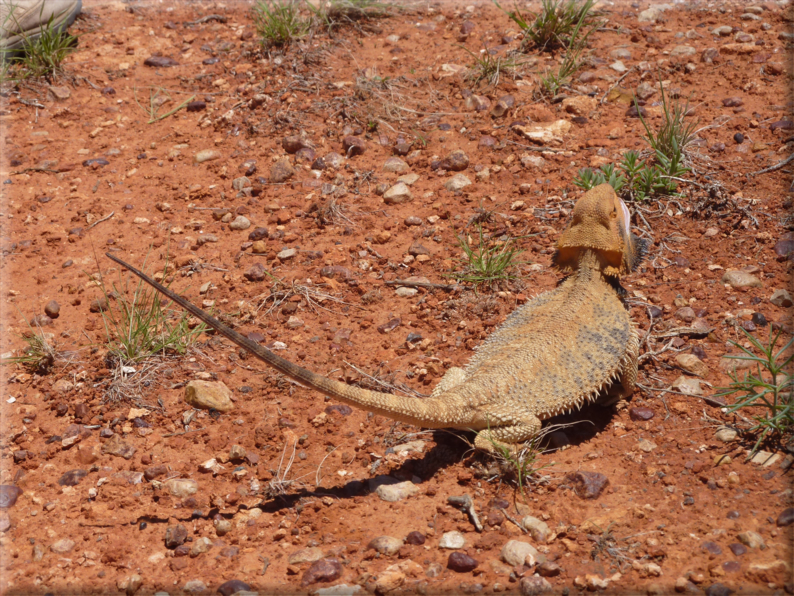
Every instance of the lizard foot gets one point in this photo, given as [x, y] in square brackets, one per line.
[511, 438]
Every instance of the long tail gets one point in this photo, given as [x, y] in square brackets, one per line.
[420, 412]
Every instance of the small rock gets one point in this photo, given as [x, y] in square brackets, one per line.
[98, 305]
[456, 161]
[718, 590]
[646, 445]
[682, 50]
[194, 586]
[588, 485]
[399, 193]
[738, 549]
[5, 522]
[196, 106]
[416, 538]
[130, 584]
[740, 279]
[324, 570]
[353, 145]
[548, 569]
[233, 586]
[453, 540]
[502, 106]
[222, 526]
[786, 517]
[389, 580]
[305, 555]
[207, 155]
[751, 539]
[281, 171]
[181, 487]
[646, 90]
[287, 254]
[72, 477]
[294, 143]
[160, 62]
[52, 309]
[692, 364]
[62, 546]
[386, 545]
[461, 562]
[534, 585]
[118, 447]
[240, 223]
[175, 536]
[653, 12]
[687, 385]
[779, 298]
[579, 105]
[255, 272]
[538, 529]
[457, 182]
[638, 413]
[395, 165]
[618, 67]
[200, 546]
[725, 434]
[396, 492]
[515, 553]
[209, 395]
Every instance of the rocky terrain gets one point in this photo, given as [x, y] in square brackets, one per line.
[288, 193]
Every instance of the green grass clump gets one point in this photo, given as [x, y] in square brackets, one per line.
[556, 25]
[768, 388]
[490, 68]
[139, 326]
[40, 57]
[633, 178]
[38, 356]
[279, 22]
[486, 262]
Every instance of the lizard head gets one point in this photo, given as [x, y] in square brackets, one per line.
[601, 223]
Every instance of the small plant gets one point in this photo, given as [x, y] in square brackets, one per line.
[521, 463]
[769, 388]
[633, 178]
[140, 326]
[675, 132]
[553, 81]
[40, 57]
[340, 12]
[38, 356]
[489, 68]
[557, 23]
[279, 22]
[486, 263]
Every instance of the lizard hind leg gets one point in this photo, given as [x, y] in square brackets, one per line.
[452, 378]
[507, 437]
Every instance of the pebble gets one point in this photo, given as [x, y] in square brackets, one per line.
[194, 586]
[534, 585]
[639, 413]
[738, 549]
[786, 517]
[118, 447]
[240, 223]
[233, 586]
[722, 31]
[324, 570]
[98, 305]
[653, 12]
[682, 50]
[222, 526]
[741, 279]
[687, 385]
[5, 521]
[618, 67]
[160, 62]
[588, 485]
[725, 434]
[538, 529]
[353, 145]
[718, 590]
[281, 171]
[457, 182]
[453, 540]
[209, 395]
[502, 106]
[207, 155]
[385, 545]
[781, 298]
[395, 165]
[399, 193]
[397, 492]
[255, 272]
[691, 364]
[646, 445]
[181, 487]
[294, 143]
[751, 539]
[175, 536]
[516, 552]
[549, 569]
[200, 546]
[62, 546]
[389, 580]
[72, 477]
[711, 547]
[417, 538]
[196, 106]
[456, 161]
[404, 292]
[461, 562]
[339, 590]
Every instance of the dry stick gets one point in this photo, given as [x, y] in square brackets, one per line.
[777, 166]
[26, 170]
[107, 217]
[507, 515]
[209, 17]
[531, 148]
[421, 284]
[174, 111]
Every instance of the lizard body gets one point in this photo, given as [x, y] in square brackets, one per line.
[566, 347]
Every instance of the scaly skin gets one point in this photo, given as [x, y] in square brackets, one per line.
[572, 345]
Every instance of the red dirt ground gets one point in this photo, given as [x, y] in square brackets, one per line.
[675, 506]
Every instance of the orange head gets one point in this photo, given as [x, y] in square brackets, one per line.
[601, 223]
